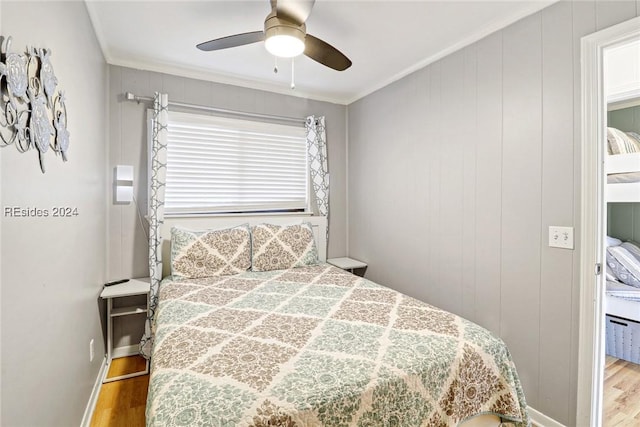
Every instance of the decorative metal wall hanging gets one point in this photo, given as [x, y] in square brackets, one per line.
[32, 113]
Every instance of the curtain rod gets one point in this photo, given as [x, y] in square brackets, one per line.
[131, 97]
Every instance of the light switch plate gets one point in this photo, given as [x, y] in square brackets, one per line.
[561, 237]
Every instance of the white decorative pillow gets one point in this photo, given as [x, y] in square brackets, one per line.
[275, 247]
[619, 142]
[208, 253]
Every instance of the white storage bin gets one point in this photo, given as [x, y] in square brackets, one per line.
[623, 339]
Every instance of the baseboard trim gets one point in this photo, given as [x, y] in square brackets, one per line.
[541, 420]
[126, 350]
[93, 399]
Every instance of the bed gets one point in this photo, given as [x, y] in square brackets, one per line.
[622, 166]
[622, 301]
[622, 279]
[318, 346]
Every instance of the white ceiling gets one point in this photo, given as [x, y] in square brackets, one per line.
[386, 40]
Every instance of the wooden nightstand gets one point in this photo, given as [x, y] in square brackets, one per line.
[349, 264]
[133, 287]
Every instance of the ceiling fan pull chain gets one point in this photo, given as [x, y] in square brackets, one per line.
[293, 83]
[275, 67]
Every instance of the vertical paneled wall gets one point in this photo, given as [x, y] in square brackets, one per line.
[521, 227]
[623, 221]
[558, 207]
[626, 119]
[127, 243]
[457, 171]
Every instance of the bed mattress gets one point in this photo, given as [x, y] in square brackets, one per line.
[623, 178]
[317, 346]
[622, 300]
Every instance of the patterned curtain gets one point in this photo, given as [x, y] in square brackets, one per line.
[158, 165]
[318, 170]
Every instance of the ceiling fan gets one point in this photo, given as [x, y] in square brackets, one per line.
[285, 35]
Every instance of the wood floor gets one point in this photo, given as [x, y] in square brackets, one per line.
[122, 403]
[621, 406]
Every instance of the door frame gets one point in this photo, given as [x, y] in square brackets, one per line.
[593, 215]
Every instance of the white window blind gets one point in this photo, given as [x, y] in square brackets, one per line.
[219, 164]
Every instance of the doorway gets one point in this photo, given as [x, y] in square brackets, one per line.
[591, 360]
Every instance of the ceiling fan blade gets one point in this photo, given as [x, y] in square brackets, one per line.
[325, 54]
[232, 41]
[296, 11]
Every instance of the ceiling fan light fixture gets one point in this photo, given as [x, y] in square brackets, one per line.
[285, 36]
[284, 42]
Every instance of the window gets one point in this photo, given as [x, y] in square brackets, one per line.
[219, 164]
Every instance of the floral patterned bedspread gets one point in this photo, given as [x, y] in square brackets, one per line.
[317, 346]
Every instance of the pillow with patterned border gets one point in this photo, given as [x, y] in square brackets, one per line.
[276, 247]
[208, 253]
[633, 249]
[624, 265]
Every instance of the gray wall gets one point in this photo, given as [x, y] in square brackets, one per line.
[626, 119]
[623, 219]
[53, 268]
[128, 249]
[455, 174]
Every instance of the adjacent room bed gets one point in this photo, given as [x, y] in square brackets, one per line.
[622, 301]
[273, 336]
